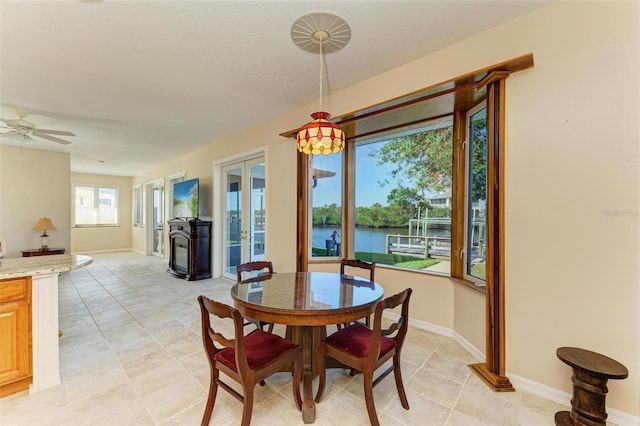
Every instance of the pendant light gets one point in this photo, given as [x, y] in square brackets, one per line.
[320, 32]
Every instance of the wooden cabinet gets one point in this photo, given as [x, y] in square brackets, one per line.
[40, 252]
[16, 367]
[190, 253]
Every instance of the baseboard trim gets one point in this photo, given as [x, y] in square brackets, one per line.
[618, 417]
[477, 353]
[107, 251]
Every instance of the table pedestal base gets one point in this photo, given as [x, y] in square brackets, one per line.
[308, 338]
[591, 371]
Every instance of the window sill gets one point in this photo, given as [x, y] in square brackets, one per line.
[470, 284]
[336, 260]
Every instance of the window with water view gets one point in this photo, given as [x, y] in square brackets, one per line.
[402, 199]
[402, 195]
[326, 202]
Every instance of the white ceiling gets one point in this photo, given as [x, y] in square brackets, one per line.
[142, 82]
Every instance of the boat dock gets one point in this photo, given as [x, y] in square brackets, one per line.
[418, 243]
[419, 246]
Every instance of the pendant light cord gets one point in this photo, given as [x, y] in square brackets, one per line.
[321, 54]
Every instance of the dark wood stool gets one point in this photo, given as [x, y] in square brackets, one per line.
[590, 374]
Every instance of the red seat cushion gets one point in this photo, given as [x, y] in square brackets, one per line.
[356, 340]
[261, 348]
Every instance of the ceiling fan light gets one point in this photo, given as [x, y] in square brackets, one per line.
[320, 136]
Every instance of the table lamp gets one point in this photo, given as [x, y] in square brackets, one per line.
[44, 224]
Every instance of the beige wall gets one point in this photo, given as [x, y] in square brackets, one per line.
[88, 239]
[33, 184]
[572, 188]
[572, 262]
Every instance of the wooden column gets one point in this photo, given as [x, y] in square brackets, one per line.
[493, 371]
[302, 234]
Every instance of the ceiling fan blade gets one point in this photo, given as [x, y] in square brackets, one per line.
[54, 132]
[6, 121]
[51, 138]
[9, 133]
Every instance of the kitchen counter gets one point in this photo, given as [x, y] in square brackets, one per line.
[43, 272]
[41, 265]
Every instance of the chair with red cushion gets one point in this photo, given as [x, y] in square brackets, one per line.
[355, 263]
[246, 359]
[366, 349]
[253, 266]
[260, 267]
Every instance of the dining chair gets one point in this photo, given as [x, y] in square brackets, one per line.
[246, 359]
[361, 264]
[256, 266]
[355, 263]
[366, 349]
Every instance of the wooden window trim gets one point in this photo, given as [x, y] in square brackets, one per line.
[460, 93]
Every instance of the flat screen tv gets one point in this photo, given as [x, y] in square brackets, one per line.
[185, 198]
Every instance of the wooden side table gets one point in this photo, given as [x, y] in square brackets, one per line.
[590, 374]
[40, 252]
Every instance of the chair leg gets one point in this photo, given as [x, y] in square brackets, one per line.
[270, 328]
[322, 374]
[399, 385]
[247, 409]
[211, 399]
[367, 377]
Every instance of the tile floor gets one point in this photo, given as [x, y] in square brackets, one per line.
[131, 354]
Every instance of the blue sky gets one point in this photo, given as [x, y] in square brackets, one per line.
[368, 176]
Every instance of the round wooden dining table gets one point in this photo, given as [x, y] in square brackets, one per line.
[306, 302]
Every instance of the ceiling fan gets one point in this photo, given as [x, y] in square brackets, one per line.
[22, 127]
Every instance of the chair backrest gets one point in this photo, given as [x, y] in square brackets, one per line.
[396, 330]
[253, 266]
[211, 337]
[355, 263]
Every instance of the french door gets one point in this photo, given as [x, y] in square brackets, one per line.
[245, 213]
[155, 235]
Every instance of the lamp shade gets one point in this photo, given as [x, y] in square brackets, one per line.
[44, 224]
[320, 136]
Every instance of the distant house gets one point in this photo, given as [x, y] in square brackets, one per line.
[443, 199]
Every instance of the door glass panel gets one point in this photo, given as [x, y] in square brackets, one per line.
[245, 214]
[257, 222]
[233, 219]
[158, 225]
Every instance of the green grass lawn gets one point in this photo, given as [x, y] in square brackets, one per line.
[479, 270]
[398, 260]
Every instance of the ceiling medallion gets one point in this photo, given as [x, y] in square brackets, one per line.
[320, 33]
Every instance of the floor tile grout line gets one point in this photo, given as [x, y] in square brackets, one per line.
[140, 397]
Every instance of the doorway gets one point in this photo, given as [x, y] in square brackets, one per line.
[155, 215]
[244, 213]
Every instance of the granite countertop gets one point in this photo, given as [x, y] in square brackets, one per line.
[41, 265]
